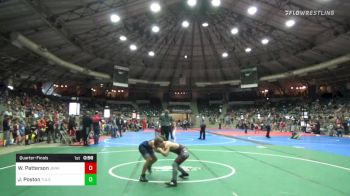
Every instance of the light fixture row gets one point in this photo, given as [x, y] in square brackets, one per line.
[155, 7]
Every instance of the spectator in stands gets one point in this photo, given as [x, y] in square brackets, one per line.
[340, 130]
[51, 134]
[144, 123]
[220, 123]
[21, 131]
[6, 127]
[15, 131]
[27, 131]
[317, 127]
[34, 131]
[282, 126]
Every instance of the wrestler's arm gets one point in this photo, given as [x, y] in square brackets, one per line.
[164, 151]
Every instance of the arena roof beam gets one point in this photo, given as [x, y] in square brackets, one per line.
[298, 72]
[87, 10]
[133, 7]
[279, 42]
[217, 55]
[193, 24]
[254, 24]
[177, 59]
[51, 57]
[164, 47]
[203, 51]
[164, 56]
[56, 25]
[269, 29]
[309, 69]
[227, 41]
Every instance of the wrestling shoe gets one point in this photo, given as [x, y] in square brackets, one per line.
[171, 183]
[183, 176]
[143, 179]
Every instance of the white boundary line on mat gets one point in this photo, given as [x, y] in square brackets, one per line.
[232, 172]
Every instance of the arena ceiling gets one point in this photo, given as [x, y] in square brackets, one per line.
[82, 32]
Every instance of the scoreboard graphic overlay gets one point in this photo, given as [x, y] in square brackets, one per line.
[56, 169]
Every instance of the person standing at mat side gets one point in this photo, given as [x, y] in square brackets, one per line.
[268, 127]
[87, 125]
[146, 150]
[119, 122]
[202, 131]
[164, 147]
[96, 119]
[165, 122]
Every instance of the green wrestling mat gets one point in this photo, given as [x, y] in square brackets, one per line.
[214, 170]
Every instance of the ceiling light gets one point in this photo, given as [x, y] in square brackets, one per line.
[247, 50]
[191, 3]
[115, 18]
[185, 56]
[185, 24]
[150, 53]
[122, 38]
[155, 29]
[205, 24]
[215, 3]
[155, 7]
[133, 47]
[324, 1]
[224, 55]
[234, 31]
[252, 10]
[265, 41]
[290, 23]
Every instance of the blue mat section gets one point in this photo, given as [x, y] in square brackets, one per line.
[187, 139]
[329, 144]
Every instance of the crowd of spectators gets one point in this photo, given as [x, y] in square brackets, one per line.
[180, 108]
[319, 116]
[34, 118]
[150, 110]
[210, 111]
[28, 119]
